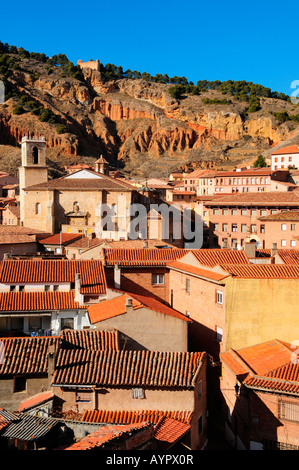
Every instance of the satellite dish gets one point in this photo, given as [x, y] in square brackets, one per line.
[258, 244]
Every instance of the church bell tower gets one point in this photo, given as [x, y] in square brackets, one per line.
[33, 169]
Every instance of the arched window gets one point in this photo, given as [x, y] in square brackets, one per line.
[35, 155]
[37, 208]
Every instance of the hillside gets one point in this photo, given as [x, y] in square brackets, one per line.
[135, 123]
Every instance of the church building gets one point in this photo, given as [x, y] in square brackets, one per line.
[72, 201]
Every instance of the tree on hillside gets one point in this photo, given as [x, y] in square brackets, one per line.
[260, 162]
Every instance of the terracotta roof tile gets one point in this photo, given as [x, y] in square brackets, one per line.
[127, 368]
[117, 306]
[38, 301]
[282, 216]
[61, 238]
[136, 416]
[262, 271]
[35, 400]
[275, 198]
[93, 340]
[106, 435]
[93, 280]
[212, 257]
[141, 257]
[26, 355]
[169, 431]
[201, 272]
[286, 150]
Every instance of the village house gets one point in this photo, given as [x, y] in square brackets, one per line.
[143, 322]
[260, 390]
[27, 364]
[58, 242]
[131, 381]
[49, 294]
[280, 228]
[287, 157]
[140, 270]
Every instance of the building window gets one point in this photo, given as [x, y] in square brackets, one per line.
[188, 286]
[138, 393]
[12, 288]
[216, 212]
[157, 279]
[243, 228]
[83, 396]
[219, 297]
[216, 227]
[225, 227]
[263, 212]
[253, 212]
[225, 212]
[273, 211]
[56, 287]
[244, 212]
[253, 228]
[293, 243]
[234, 227]
[21, 288]
[67, 323]
[234, 212]
[262, 228]
[47, 288]
[219, 333]
[288, 410]
[293, 226]
[20, 384]
[283, 226]
[35, 155]
[37, 208]
[283, 243]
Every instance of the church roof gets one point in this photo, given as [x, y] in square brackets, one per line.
[88, 180]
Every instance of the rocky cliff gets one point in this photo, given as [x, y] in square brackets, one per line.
[135, 123]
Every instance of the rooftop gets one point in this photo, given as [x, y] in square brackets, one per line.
[127, 368]
[93, 280]
[141, 257]
[268, 366]
[136, 416]
[287, 150]
[274, 198]
[61, 238]
[117, 306]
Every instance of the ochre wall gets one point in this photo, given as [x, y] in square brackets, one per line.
[259, 310]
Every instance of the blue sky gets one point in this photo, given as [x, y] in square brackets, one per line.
[255, 41]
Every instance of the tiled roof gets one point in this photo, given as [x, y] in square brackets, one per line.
[36, 400]
[282, 216]
[169, 431]
[266, 366]
[212, 257]
[93, 340]
[274, 198]
[26, 355]
[117, 306]
[18, 230]
[16, 239]
[201, 272]
[262, 271]
[105, 436]
[93, 280]
[286, 150]
[136, 416]
[38, 301]
[141, 257]
[247, 172]
[86, 242]
[61, 238]
[127, 368]
[6, 417]
[289, 256]
[68, 183]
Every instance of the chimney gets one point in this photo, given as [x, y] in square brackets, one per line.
[51, 360]
[249, 249]
[117, 277]
[129, 305]
[274, 249]
[77, 287]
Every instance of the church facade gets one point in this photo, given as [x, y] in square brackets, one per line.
[77, 199]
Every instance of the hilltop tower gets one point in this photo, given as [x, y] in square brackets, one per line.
[33, 169]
